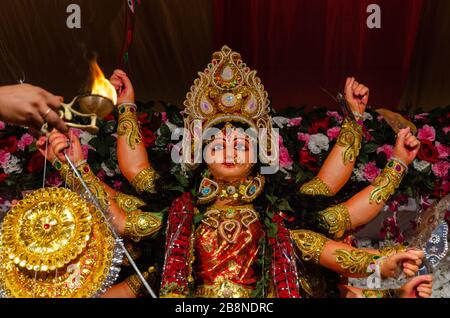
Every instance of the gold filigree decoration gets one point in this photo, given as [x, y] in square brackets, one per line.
[391, 250]
[387, 182]
[316, 186]
[380, 293]
[128, 202]
[335, 221]
[46, 230]
[350, 138]
[145, 180]
[82, 277]
[135, 284]
[355, 261]
[310, 244]
[128, 125]
[139, 224]
[223, 288]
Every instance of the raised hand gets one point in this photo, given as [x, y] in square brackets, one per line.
[407, 146]
[57, 144]
[409, 261]
[123, 86]
[356, 95]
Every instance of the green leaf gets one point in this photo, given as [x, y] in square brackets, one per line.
[198, 218]
[370, 147]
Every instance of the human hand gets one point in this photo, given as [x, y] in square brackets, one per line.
[123, 86]
[420, 286]
[59, 142]
[356, 95]
[407, 146]
[28, 105]
[409, 261]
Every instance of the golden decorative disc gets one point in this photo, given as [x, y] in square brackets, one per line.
[83, 276]
[46, 230]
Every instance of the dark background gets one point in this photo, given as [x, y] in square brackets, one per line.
[297, 46]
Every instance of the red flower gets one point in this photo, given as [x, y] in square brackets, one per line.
[319, 126]
[428, 152]
[307, 160]
[108, 117]
[148, 137]
[36, 162]
[143, 118]
[3, 177]
[9, 144]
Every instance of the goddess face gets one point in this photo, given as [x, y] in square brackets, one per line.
[230, 155]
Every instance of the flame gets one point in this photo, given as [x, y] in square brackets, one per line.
[101, 86]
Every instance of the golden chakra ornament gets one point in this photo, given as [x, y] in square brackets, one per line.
[54, 243]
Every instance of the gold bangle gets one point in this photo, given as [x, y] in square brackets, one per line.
[350, 138]
[128, 125]
[145, 180]
[316, 186]
[310, 244]
[355, 261]
[335, 221]
[378, 293]
[391, 250]
[139, 224]
[128, 202]
[387, 182]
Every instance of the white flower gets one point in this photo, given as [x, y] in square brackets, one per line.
[4, 207]
[13, 165]
[359, 173]
[280, 121]
[171, 126]
[85, 137]
[420, 165]
[109, 172]
[317, 143]
[367, 116]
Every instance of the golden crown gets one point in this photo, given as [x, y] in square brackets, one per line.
[227, 90]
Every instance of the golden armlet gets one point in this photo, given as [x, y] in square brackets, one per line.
[145, 180]
[135, 284]
[128, 124]
[316, 187]
[355, 261]
[377, 293]
[350, 138]
[128, 202]
[139, 224]
[335, 221]
[92, 181]
[391, 250]
[310, 244]
[387, 182]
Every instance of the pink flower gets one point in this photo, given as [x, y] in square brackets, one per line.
[387, 149]
[25, 141]
[4, 157]
[117, 184]
[426, 133]
[371, 171]
[285, 158]
[443, 150]
[333, 133]
[2, 125]
[54, 180]
[440, 169]
[446, 129]
[293, 122]
[76, 132]
[421, 116]
[303, 137]
[85, 149]
[335, 115]
[164, 117]
[101, 174]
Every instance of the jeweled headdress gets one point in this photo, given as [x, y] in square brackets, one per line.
[227, 91]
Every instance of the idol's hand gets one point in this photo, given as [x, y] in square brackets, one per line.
[407, 146]
[57, 143]
[420, 286]
[123, 86]
[409, 261]
[356, 95]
